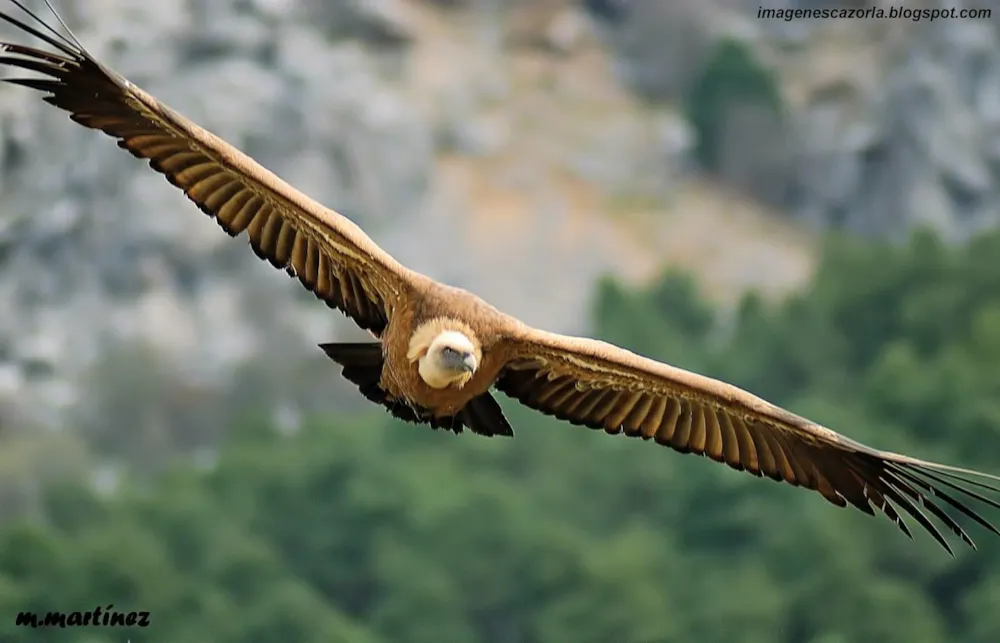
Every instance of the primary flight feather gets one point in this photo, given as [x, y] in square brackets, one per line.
[440, 349]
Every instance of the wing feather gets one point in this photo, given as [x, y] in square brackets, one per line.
[605, 387]
[330, 255]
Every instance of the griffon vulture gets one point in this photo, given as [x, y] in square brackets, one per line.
[440, 349]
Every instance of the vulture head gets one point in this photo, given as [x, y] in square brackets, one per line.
[445, 356]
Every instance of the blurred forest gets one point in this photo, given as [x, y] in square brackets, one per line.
[359, 529]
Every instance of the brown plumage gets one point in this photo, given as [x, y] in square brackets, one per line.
[440, 349]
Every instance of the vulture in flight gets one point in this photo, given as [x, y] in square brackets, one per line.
[439, 350]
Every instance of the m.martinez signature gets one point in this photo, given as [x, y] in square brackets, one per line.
[98, 617]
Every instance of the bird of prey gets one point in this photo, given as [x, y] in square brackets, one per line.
[439, 350]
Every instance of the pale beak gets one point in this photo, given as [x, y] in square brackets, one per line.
[469, 362]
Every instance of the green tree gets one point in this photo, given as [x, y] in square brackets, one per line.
[732, 78]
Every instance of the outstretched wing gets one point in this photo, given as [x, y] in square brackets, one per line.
[328, 253]
[594, 384]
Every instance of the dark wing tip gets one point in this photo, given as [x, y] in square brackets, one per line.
[72, 48]
[915, 487]
[56, 67]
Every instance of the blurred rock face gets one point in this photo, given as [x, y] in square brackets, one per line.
[912, 141]
[893, 123]
[98, 250]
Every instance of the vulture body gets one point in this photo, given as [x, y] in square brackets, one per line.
[439, 350]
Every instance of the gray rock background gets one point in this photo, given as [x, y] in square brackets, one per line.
[909, 137]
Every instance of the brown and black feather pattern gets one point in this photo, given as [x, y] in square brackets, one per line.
[240, 195]
[843, 471]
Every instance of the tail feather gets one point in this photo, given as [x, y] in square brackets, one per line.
[485, 417]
